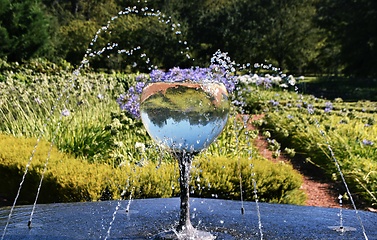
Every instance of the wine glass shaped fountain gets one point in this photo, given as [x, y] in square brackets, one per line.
[184, 117]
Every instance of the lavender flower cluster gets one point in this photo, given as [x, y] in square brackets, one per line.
[268, 81]
[212, 74]
[328, 107]
[367, 142]
[130, 101]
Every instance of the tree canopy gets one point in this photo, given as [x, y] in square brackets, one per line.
[299, 36]
[25, 30]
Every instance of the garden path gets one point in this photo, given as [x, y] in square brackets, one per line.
[319, 192]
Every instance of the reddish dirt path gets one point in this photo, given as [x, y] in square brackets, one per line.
[319, 192]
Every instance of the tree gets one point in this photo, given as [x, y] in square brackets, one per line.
[291, 36]
[352, 25]
[279, 31]
[26, 30]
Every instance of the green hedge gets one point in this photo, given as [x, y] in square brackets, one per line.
[68, 179]
[357, 160]
[220, 176]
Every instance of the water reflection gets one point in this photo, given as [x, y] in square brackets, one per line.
[184, 116]
[182, 134]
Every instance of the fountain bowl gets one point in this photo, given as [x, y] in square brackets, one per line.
[147, 218]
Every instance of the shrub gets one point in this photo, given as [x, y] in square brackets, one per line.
[68, 179]
[220, 177]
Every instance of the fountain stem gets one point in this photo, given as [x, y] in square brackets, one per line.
[184, 161]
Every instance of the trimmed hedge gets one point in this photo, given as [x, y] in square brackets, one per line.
[69, 180]
[220, 176]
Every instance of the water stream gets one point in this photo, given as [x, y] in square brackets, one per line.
[342, 228]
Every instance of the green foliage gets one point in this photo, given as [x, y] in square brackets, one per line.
[220, 177]
[75, 38]
[32, 106]
[117, 157]
[26, 30]
[69, 179]
[235, 140]
[131, 142]
[349, 89]
[352, 46]
[305, 125]
[317, 36]
[33, 68]
[143, 40]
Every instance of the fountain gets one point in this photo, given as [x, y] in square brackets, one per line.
[149, 217]
[184, 117]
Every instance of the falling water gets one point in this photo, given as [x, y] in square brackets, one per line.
[342, 228]
[112, 220]
[53, 108]
[258, 211]
[19, 189]
[240, 103]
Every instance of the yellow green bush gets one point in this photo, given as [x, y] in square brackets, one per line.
[68, 179]
[220, 176]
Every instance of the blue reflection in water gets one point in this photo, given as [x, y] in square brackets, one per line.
[182, 135]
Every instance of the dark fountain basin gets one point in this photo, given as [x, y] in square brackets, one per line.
[148, 217]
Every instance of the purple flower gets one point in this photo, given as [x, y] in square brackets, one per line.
[215, 73]
[265, 82]
[139, 87]
[274, 103]
[367, 142]
[142, 77]
[212, 74]
[310, 109]
[328, 107]
[130, 101]
[156, 75]
[65, 113]
[174, 75]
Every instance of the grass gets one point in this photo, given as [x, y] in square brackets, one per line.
[36, 109]
[97, 132]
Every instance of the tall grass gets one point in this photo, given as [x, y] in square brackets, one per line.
[82, 117]
[71, 112]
